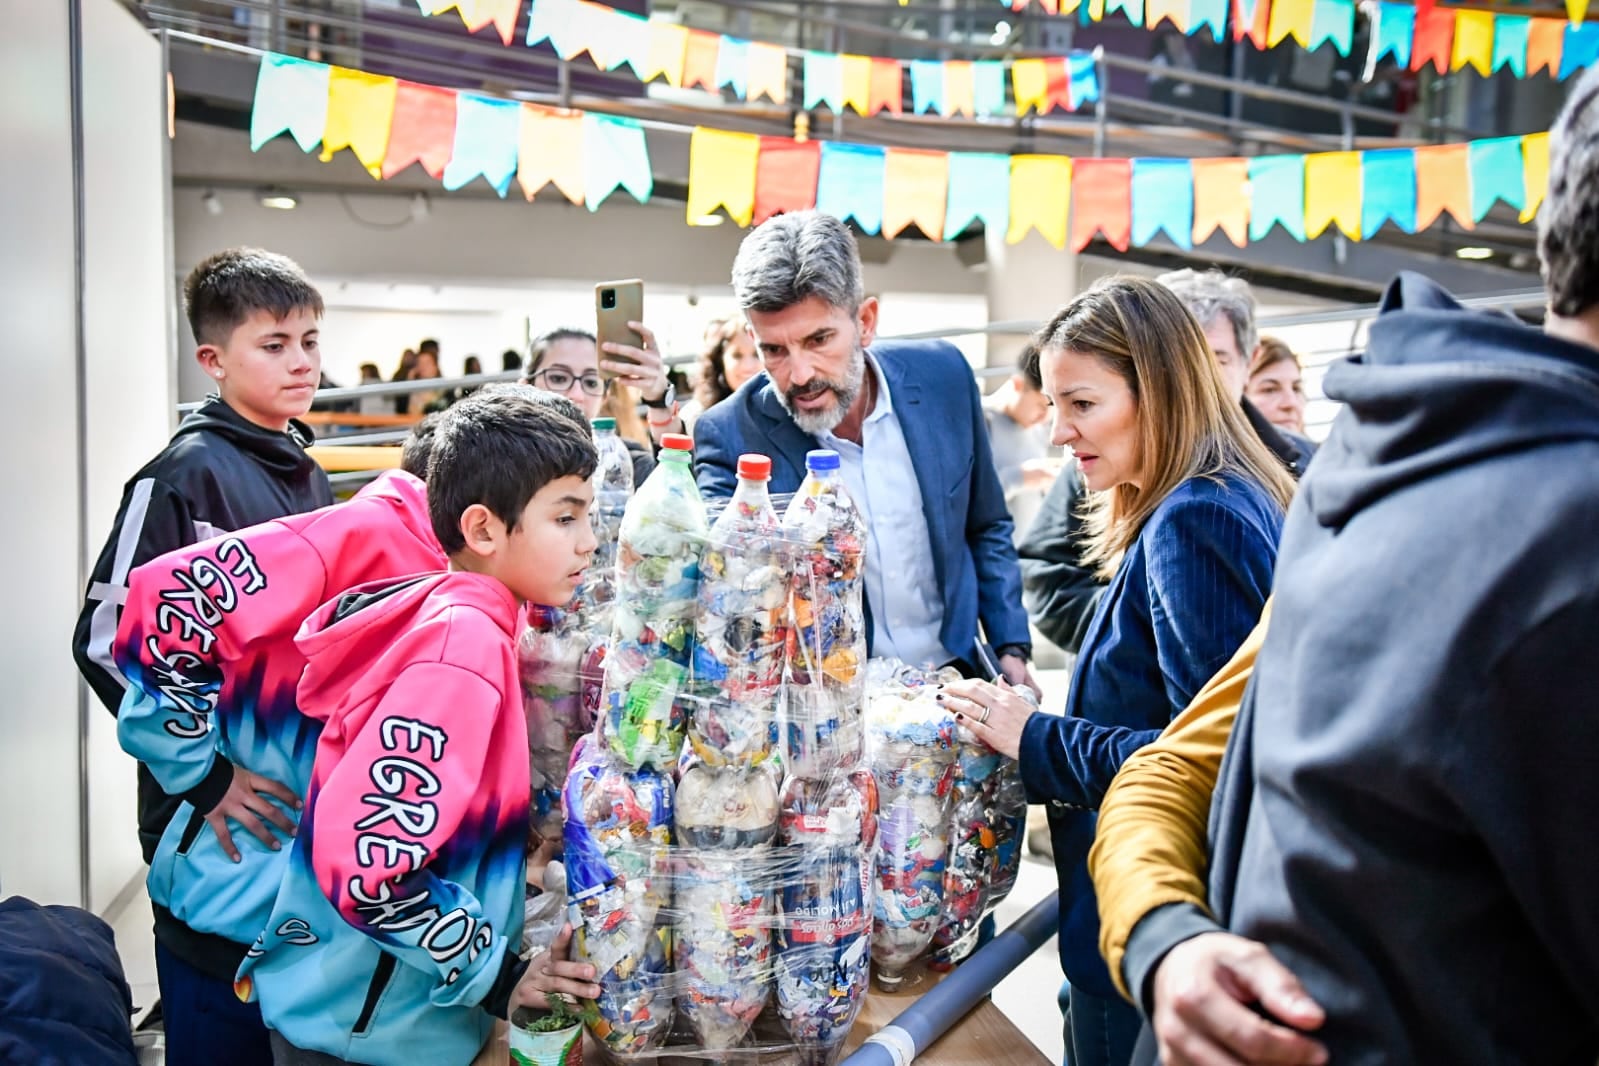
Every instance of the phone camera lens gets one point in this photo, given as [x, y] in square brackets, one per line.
[607, 298]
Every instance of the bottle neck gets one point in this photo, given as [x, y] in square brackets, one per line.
[752, 491]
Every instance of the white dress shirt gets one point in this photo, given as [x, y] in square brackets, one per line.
[901, 584]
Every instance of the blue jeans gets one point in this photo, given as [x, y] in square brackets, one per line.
[205, 1022]
[1099, 1032]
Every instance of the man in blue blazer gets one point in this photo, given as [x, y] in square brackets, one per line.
[906, 421]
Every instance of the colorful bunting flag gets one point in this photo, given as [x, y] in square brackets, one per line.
[1535, 167]
[959, 89]
[1443, 183]
[668, 50]
[979, 190]
[1474, 41]
[360, 111]
[1290, 18]
[1545, 42]
[1581, 49]
[290, 94]
[1133, 9]
[850, 184]
[1510, 43]
[1163, 199]
[1083, 74]
[1497, 173]
[733, 66]
[632, 40]
[785, 176]
[1277, 195]
[615, 156]
[927, 86]
[700, 57]
[1388, 184]
[768, 73]
[594, 33]
[1392, 30]
[1334, 21]
[1332, 193]
[824, 81]
[1173, 11]
[550, 150]
[887, 87]
[1251, 19]
[856, 75]
[915, 189]
[423, 130]
[1221, 199]
[988, 88]
[554, 21]
[501, 14]
[1577, 11]
[487, 132]
[1102, 201]
[1041, 85]
[721, 173]
[1434, 37]
[1040, 197]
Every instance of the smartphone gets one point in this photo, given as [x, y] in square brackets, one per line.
[616, 303]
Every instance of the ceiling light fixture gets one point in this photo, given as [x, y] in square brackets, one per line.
[712, 219]
[1474, 253]
[278, 200]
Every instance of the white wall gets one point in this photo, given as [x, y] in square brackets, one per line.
[127, 397]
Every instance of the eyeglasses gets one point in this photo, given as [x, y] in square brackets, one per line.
[557, 380]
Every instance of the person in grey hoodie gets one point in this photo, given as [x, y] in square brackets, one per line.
[1403, 818]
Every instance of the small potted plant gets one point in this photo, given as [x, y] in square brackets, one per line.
[554, 1038]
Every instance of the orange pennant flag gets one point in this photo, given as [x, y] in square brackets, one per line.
[1040, 197]
[768, 72]
[915, 188]
[502, 13]
[1546, 43]
[887, 87]
[1332, 193]
[855, 74]
[1102, 200]
[699, 60]
[1290, 18]
[668, 48]
[360, 113]
[960, 88]
[1434, 38]
[1221, 199]
[1443, 182]
[1535, 172]
[550, 150]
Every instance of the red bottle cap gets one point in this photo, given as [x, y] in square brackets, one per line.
[754, 467]
[678, 442]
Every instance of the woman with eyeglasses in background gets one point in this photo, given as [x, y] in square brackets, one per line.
[567, 362]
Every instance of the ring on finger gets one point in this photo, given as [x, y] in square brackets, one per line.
[983, 718]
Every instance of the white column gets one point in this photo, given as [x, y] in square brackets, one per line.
[1026, 282]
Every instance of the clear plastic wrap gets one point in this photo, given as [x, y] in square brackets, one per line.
[652, 634]
[973, 840]
[613, 487]
[551, 654]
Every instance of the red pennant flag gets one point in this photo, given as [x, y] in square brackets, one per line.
[1546, 42]
[1102, 199]
[785, 176]
[1057, 84]
[699, 60]
[422, 131]
[887, 87]
[1435, 39]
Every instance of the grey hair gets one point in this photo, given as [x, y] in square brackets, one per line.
[790, 258]
[1568, 253]
[1210, 293]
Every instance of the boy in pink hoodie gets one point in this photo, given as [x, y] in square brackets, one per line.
[395, 934]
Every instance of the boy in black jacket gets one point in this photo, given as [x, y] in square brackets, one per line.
[237, 461]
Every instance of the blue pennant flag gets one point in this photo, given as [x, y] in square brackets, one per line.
[927, 86]
[1394, 29]
[824, 81]
[1581, 50]
[988, 87]
[979, 188]
[1213, 12]
[290, 94]
[1333, 20]
[632, 43]
[554, 21]
[487, 135]
[1083, 78]
[1511, 35]
[1163, 199]
[1277, 195]
[850, 183]
[1497, 173]
[1388, 189]
[614, 156]
[733, 66]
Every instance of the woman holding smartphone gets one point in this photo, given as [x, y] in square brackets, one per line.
[1187, 505]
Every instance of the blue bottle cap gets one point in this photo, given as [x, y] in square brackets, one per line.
[821, 459]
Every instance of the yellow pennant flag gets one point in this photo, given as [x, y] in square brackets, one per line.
[768, 72]
[1576, 11]
[668, 45]
[915, 189]
[1535, 167]
[1332, 193]
[551, 150]
[465, 8]
[1474, 41]
[360, 112]
[1290, 18]
[857, 79]
[1176, 10]
[1040, 197]
[501, 13]
[1030, 78]
[1096, 10]
[721, 173]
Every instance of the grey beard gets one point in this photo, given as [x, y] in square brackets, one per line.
[844, 393]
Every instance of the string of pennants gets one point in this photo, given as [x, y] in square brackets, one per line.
[458, 137]
[868, 85]
[1414, 35]
[1130, 201]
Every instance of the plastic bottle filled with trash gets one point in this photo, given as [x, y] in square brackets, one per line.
[652, 630]
[613, 487]
[550, 654]
[827, 657]
[910, 747]
[973, 839]
[618, 868]
[741, 626]
[827, 829]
